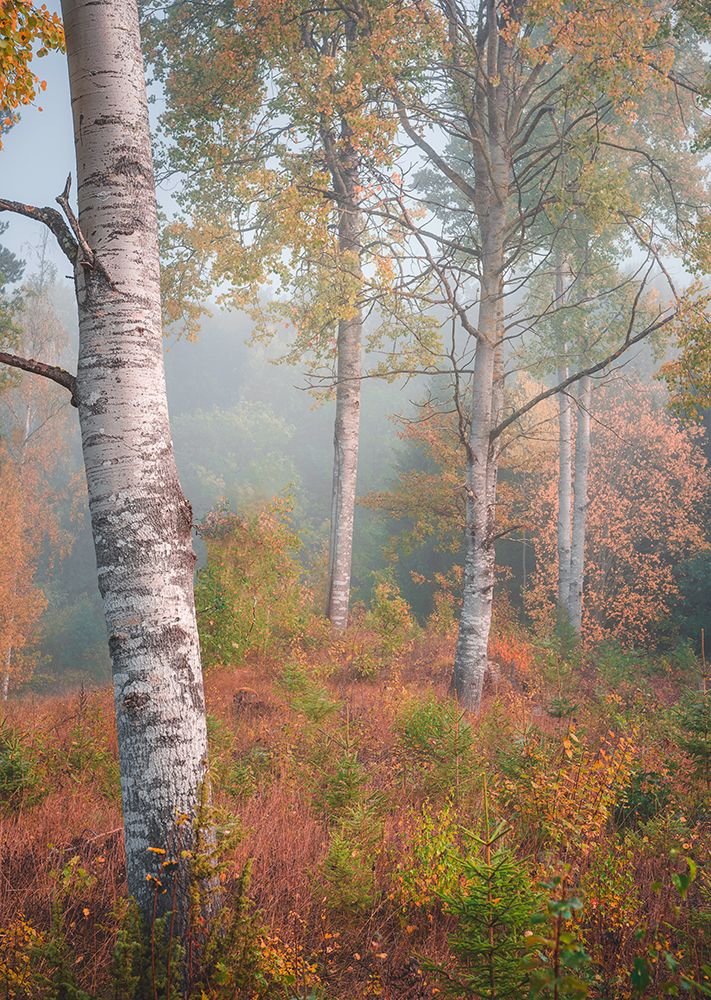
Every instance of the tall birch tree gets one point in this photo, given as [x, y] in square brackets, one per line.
[517, 91]
[140, 519]
[272, 107]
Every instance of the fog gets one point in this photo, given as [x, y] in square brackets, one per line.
[246, 429]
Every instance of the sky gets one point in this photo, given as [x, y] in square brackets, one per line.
[36, 157]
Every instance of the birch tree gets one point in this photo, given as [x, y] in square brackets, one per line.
[518, 90]
[594, 254]
[272, 108]
[580, 505]
[648, 490]
[140, 519]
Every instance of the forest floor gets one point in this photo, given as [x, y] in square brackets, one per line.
[356, 804]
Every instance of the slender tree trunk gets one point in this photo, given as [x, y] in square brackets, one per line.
[345, 470]
[471, 656]
[565, 476]
[565, 497]
[492, 178]
[580, 512]
[346, 435]
[8, 670]
[140, 519]
[478, 582]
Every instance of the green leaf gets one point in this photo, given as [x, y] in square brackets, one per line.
[640, 978]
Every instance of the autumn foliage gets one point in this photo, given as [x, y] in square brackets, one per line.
[649, 490]
[355, 806]
[21, 600]
[27, 31]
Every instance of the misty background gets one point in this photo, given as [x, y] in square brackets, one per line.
[245, 429]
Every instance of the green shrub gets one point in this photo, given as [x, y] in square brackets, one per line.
[513, 938]
[494, 906]
[306, 695]
[21, 778]
[647, 794]
[250, 595]
[53, 958]
[694, 731]
[366, 662]
[348, 870]
[389, 615]
[435, 742]
[429, 868]
[558, 965]
[389, 627]
[235, 773]
[341, 784]
[617, 663]
[85, 755]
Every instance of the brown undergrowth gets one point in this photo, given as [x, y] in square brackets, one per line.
[356, 800]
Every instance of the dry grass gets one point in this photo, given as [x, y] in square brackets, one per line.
[372, 951]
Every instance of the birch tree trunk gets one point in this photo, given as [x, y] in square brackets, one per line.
[580, 512]
[565, 496]
[345, 469]
[565, 475]
[471, 656]
[492, 169]
[346, 431]
[140, 519]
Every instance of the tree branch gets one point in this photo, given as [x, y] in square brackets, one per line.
[456, 178]
[63, 200]
[592, 370]
[58, 375]
[52, 219]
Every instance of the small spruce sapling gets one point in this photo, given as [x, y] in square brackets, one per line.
[494, 907]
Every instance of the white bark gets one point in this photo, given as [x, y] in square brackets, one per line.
[471, 655]
[565, 474]
[345, 471]
[580, 512]
[565, 496]
[140, 519]
[346, 434]
[345, 445]
[492, 169]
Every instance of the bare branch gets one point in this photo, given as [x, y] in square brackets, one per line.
[592, 370]
[52, 219]
[63, 200]
[456, 178]
[52, 372]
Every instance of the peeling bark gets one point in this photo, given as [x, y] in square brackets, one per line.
[140, 519]
[346, 434]
[471, 657]
[478, 581]
[345, 470]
